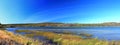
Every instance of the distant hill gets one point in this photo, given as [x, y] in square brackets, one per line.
[111, 23]
[52, 24]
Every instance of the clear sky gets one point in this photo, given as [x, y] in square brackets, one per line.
[68, 11]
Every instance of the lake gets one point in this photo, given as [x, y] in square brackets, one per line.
[103, 33]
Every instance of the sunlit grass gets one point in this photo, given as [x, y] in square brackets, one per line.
[70, 39]
[22, 39]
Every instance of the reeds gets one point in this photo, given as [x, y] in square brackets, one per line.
[70, 39]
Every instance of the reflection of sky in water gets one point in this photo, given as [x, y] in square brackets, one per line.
[105, 34]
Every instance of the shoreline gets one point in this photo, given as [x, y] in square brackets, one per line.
[66, 39]
[16, 39]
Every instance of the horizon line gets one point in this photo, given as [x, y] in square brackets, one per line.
[61, 22]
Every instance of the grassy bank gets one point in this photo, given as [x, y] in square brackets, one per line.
[6, 36]
[68, 39]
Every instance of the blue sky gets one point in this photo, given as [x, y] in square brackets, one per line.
[68, 11]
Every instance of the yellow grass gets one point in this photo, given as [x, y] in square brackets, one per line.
[18, 38]
[70, 39]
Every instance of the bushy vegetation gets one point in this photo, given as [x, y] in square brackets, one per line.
[69, 39]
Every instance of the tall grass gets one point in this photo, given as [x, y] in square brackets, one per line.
[70, 39]
[22, 39]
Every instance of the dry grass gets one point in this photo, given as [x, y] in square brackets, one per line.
[69, 39]
[18, 38]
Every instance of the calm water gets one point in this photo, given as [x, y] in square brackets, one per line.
[104, 33]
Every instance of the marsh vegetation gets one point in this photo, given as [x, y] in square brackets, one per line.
[66, 38]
